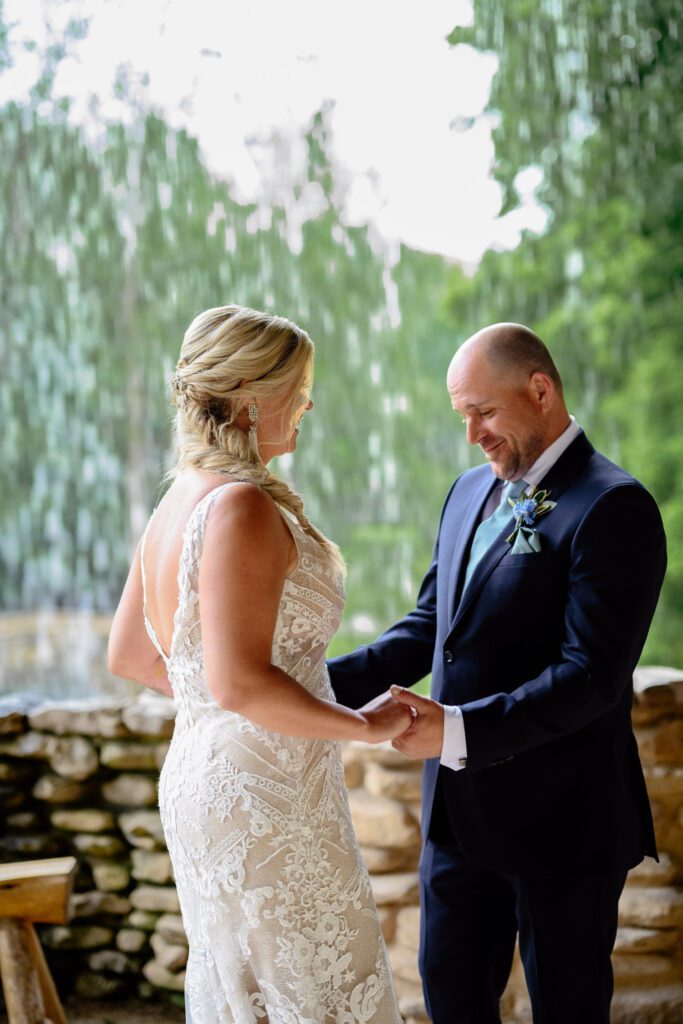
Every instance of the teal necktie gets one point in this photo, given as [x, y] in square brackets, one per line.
[488, 529]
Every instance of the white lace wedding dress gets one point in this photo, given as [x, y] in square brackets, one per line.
[274, 894]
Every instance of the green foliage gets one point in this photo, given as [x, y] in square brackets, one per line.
[593, 94]
[112, 246]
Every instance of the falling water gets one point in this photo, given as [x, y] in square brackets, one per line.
[114, 239]
[113, 243]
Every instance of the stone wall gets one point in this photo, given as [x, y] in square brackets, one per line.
[81, 778]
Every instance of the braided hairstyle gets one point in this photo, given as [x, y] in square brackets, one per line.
[232, 356]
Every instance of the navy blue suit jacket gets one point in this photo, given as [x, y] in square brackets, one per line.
[539, 652]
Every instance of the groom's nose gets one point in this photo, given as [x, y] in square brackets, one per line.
[473, 430]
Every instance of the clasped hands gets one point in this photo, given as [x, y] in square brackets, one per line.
[423, 736]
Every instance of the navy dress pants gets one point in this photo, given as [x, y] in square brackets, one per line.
[470, 920]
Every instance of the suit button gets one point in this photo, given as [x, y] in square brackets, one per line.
[448, 657]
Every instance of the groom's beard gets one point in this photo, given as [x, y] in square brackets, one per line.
[515, 456]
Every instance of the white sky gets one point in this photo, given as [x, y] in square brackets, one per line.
[234, 71]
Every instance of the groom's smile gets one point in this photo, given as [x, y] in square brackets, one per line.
[511, 416]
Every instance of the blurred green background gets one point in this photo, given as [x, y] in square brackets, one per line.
[110, 246]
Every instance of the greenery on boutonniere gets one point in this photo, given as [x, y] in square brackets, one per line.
[527, 509]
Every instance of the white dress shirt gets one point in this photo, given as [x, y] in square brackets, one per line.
[454, 749]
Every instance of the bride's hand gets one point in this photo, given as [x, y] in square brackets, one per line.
[385, 717]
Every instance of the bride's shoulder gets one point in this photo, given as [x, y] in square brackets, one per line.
[244, 509]
[245, 534]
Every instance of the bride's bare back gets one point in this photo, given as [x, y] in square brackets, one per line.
[163, 544]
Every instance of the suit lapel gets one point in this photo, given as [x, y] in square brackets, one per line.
[556, 480]
[470, 522]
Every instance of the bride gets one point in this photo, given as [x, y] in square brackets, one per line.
[230, 603]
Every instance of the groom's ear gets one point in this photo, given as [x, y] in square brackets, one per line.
[541, 389]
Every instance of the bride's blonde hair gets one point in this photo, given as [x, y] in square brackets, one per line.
[231, 357]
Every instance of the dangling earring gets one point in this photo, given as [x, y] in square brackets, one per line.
[253, 418]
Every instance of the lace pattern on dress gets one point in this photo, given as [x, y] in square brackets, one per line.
[275, 897]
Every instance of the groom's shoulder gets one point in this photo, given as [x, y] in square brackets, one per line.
[604, 484]
[471, 480]
[465, 487]
[604, 474]
[475, 477]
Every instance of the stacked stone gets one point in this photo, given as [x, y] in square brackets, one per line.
[384, 796]
[80, 778]
[648, 955]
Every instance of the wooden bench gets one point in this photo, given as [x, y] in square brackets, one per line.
[33, 890]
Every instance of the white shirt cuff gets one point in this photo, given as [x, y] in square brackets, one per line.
[454, 749]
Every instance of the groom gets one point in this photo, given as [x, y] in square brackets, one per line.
[531, 621]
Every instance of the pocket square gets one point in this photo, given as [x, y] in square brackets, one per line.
[526, 544]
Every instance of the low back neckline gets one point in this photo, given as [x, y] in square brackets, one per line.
[167, 658]
[209, 497]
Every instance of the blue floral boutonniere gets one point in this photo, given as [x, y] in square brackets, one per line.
[527, 509]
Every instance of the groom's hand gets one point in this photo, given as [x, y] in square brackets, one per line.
[424, 737]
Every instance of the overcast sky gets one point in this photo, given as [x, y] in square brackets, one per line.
[234, 71]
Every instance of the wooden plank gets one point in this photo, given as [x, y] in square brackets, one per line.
[28, 893]
[36, 868]
[20, 979]
[53, 1007]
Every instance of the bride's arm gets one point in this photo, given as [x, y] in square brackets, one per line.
[130, 652]
[241, 576]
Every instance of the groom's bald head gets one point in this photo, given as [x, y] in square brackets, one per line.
[512, 351]
[506, 387]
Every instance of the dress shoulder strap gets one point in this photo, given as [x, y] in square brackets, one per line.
[193, 538]
[196, 523]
